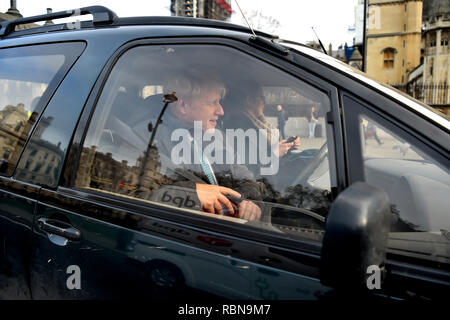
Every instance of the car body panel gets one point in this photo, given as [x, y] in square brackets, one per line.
[17, 204]
[114, 257]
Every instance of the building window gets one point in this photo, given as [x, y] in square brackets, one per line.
[432, 42]
[388, 58]
[404, 43]
[18, 126]
[444, 42]
[37, 167]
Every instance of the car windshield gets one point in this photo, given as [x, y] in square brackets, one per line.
[431, 113]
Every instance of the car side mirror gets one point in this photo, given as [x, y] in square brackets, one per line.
[356, 234]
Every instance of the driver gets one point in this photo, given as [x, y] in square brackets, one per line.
[218, 187]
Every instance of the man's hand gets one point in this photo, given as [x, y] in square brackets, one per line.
[284, 146]
[249, 211]
[212, 197]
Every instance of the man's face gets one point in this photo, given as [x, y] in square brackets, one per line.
[205, 108]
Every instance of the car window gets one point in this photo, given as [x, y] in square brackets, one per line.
[28, 75]
[418, 187]
[228, 123]
[415, 182]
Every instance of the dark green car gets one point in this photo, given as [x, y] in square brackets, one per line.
[90, 209]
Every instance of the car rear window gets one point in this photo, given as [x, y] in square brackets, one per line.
[28, 77]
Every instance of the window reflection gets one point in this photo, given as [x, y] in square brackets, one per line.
[117, 157]
[417, 186]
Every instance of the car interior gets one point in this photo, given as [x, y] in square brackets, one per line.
[132, 100]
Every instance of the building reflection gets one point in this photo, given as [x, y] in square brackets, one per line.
[41, 159]
[15, 124]
[100, 170]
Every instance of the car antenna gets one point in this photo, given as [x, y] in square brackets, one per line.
[261, 41]
[243, 15]
[320, 42]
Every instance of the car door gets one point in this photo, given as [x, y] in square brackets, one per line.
[121, 224]
[28, 77]
[406, 154]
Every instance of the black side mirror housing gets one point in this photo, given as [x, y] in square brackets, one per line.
[356, 234]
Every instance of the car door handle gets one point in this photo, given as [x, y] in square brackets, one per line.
[59, 228]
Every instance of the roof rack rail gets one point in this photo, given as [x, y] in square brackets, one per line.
[102, 15]
[187, 21]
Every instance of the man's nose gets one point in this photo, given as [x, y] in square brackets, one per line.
[219, 110]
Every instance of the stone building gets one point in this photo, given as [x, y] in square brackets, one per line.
[101, 171]
[436, 62]
[356, 59]
[207, 9]
[14, 128]
[429, 82]
[43, 157]
[393, 39]
[13, 13]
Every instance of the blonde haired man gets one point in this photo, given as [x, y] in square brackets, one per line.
[198, 99]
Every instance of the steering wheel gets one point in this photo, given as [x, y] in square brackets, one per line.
[312, 166]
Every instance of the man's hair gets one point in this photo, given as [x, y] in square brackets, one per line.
[190, 86]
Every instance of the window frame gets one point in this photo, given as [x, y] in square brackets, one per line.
[176, 214]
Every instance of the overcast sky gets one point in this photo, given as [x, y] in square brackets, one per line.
[330, 18]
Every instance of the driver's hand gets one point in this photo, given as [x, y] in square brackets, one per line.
[212, 197]
[249, 211]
